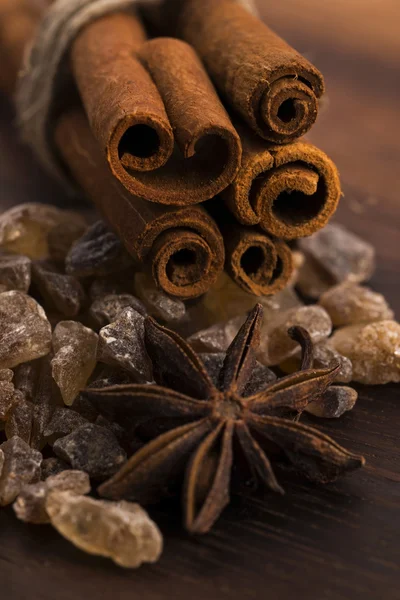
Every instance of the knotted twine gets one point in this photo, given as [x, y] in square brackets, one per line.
[45, 73]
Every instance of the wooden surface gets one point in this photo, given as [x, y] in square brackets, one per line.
[325, 543]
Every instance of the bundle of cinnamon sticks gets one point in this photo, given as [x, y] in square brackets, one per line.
[188, 145]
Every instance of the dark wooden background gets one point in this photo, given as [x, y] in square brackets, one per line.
[324, 543]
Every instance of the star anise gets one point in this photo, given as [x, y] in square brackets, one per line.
[216, 421]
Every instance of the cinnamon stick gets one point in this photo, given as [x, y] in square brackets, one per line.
[259, 263]
[154, 112]
[290, 191]
[273, 87]
[182, 246]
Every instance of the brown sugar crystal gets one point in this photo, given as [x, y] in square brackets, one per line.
[6, 392]
[60, 292]
[122, 344]
[30, 505]
[25, 332]
[158, 303]
[121, 531]
[334, 402]
[340, 254]
[24, 229]
[15, 272]
[98, 252]
[349, 304]
[21, 465]
[374, 350]
[107, 309]
[75, 348]
[92, 449]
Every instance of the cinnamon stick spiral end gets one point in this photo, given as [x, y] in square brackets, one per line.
[273, 87]
[290, 191]
[208, 150]
[154, 113]
[287, 110]
[259, 264]
[300, 195]
[183, 264]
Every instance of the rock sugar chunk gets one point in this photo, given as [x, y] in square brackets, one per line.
[213, 363]
[85, 408]
[63, 236]
[111, 375]
[21, 466]
[121, 531]
[349, 304]
[25, 332]
[63, 422]
[313, 280]
[226, 300]
[107, 377]
[28, 418]
[24, 229]
[260, 378]
[37, 397]
[227, 305]
[277, 346]
[334, 255]
[218, 337]
[326, 357]
[15, 272]
[75, 348]
[114, 284]
[116, 429]
[98, 252]
[160, 305]
[92, 449]
[20, 420]
[335, 401]
[122, 344]
[374, 350]
[261, 375]
[25, 379]
[30, 506]
[52, 466]
[107, 310]
[59, 291]
[6, 392]
[298, 262]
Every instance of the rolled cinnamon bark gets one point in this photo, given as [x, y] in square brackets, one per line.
[257, 262]
[182, 246]
[273, 87]
[154, 112]
[289, 191]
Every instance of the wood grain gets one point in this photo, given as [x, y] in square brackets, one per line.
[336, 542]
